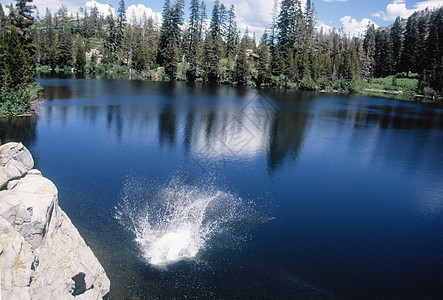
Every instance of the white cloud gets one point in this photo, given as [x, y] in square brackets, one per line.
[104, 9]
[352, 27]
[322, 26]
[55, 5]
[5, 9]
[138, 12]
[335, 0]
[256, 15]
[428, 4]
[398, 9]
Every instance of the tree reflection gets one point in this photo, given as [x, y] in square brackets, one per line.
[167, 125]
[388, 116]
[287, 136]
[57, 92]
[18, 129]
[114, 116]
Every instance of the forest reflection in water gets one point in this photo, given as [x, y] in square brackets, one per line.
[218, 123]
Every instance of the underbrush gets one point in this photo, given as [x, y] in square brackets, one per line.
[18, 100]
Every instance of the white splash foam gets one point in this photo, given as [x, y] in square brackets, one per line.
[174, 222]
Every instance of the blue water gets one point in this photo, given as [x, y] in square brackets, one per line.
[316, 196]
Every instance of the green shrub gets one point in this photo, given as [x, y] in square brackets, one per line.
[148, 74]
[322, 83]
[181, 71]
[428, 91]
[120, 68]
[15, 101]
[161, 74]
[307, 83]
[281, 81]
[67, 69]
[344, 85]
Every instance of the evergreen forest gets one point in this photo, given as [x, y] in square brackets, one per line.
[208, 47]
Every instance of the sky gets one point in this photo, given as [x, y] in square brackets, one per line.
[351, 16]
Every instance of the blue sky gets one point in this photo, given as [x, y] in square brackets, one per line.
[351, 15]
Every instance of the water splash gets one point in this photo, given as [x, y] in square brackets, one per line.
[175, 221]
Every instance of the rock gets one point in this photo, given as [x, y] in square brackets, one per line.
[15, 263]
[42, 255]
[66, 261]
[15, 161]
[28, 206]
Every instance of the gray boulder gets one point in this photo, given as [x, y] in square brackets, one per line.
[28, 206]
[16, 257]
[42, 255]
[15, 161]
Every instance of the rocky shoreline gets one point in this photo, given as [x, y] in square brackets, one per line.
[42, 255]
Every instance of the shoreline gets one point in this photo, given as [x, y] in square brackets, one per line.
[383, 93]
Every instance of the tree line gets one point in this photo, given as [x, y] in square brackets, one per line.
[17, 62]
[208, 47]
[409, 46]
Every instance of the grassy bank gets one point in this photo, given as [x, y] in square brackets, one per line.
[406, 89]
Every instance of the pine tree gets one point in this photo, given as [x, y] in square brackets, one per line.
[50, 40]
[263, 61]
[212, 56]
[223, 15]
[369, 48]
[2, 19]
[422, 27]
[384, 61]
[80, 54]
[140, 57]
[64, 48]
[121, 14]
[118, 36]
[434, 51]
[18, 66]
[21, 15]
[150, 41]
[276, 65]
[170, 35]
[214, 45]
[91, 23]
[411, 39]
[287, 22]
[194, 40]
[77, 27]
[241, 63]
[274, 27]
[62, 15]
[397, 43]
[16, 61]
[165, 33]
[216, 19]
[310, 17]
[46, 40]
[110, 45]
[194, 18]
[126, 53]
[232, 33]
[202, 17]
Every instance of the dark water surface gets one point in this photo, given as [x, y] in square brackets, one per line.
[330, 196]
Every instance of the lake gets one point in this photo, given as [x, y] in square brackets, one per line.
[193, 191]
